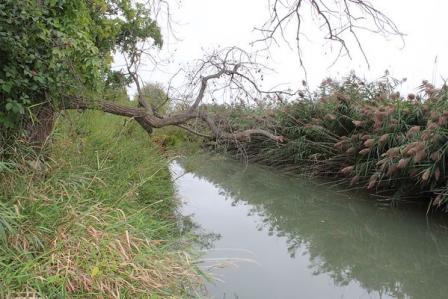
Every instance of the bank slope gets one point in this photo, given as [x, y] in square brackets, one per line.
[92, 216]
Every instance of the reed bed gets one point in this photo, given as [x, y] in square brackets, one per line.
[366, 135]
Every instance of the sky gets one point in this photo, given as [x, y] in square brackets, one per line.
[203, 25]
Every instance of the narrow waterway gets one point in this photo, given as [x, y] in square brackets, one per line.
[268, 235]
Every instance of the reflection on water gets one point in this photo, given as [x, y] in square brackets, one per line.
[285, 237]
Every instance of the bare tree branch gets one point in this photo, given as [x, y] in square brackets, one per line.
[149, 121]
[194, 132]
[339, 19]
[231, 69]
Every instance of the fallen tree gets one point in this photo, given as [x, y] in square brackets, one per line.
[235, 74]
[58, 55]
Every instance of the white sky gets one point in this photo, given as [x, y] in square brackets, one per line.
[207, 24]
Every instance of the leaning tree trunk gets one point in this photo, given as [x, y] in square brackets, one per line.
[40, 129]
[149, 121]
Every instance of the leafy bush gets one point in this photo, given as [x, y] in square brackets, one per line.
[51, 49]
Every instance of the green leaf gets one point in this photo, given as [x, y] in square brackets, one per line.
[6, 87]
[9, 106]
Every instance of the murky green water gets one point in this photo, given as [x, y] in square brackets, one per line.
[282, 237]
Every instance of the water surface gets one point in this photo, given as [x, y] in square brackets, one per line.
[277, 236]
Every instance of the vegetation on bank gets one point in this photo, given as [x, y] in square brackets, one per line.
[366, 134]
[53, 52]
[91, 215]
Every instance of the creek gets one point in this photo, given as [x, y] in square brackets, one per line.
[271, 235]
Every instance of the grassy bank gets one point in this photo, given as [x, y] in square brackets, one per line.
[91, 216]
[365, 134]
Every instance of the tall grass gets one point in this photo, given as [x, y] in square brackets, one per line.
[91, 216]
[366, 134]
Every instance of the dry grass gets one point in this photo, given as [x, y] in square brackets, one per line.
[95, 220]
[95, 260]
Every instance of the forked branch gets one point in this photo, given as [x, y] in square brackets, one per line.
[228, 66]
[339, 19]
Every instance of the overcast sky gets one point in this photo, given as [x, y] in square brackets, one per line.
[203, 25]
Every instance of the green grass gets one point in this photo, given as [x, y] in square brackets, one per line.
[92, 216]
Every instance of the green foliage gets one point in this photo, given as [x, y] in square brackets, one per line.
[177, 140]
[94, 220]
[156, 96]
[53, 48]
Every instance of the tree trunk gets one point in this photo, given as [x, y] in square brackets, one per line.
[40, 129]
[149, 121]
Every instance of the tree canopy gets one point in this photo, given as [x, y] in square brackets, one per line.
[53, 48]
